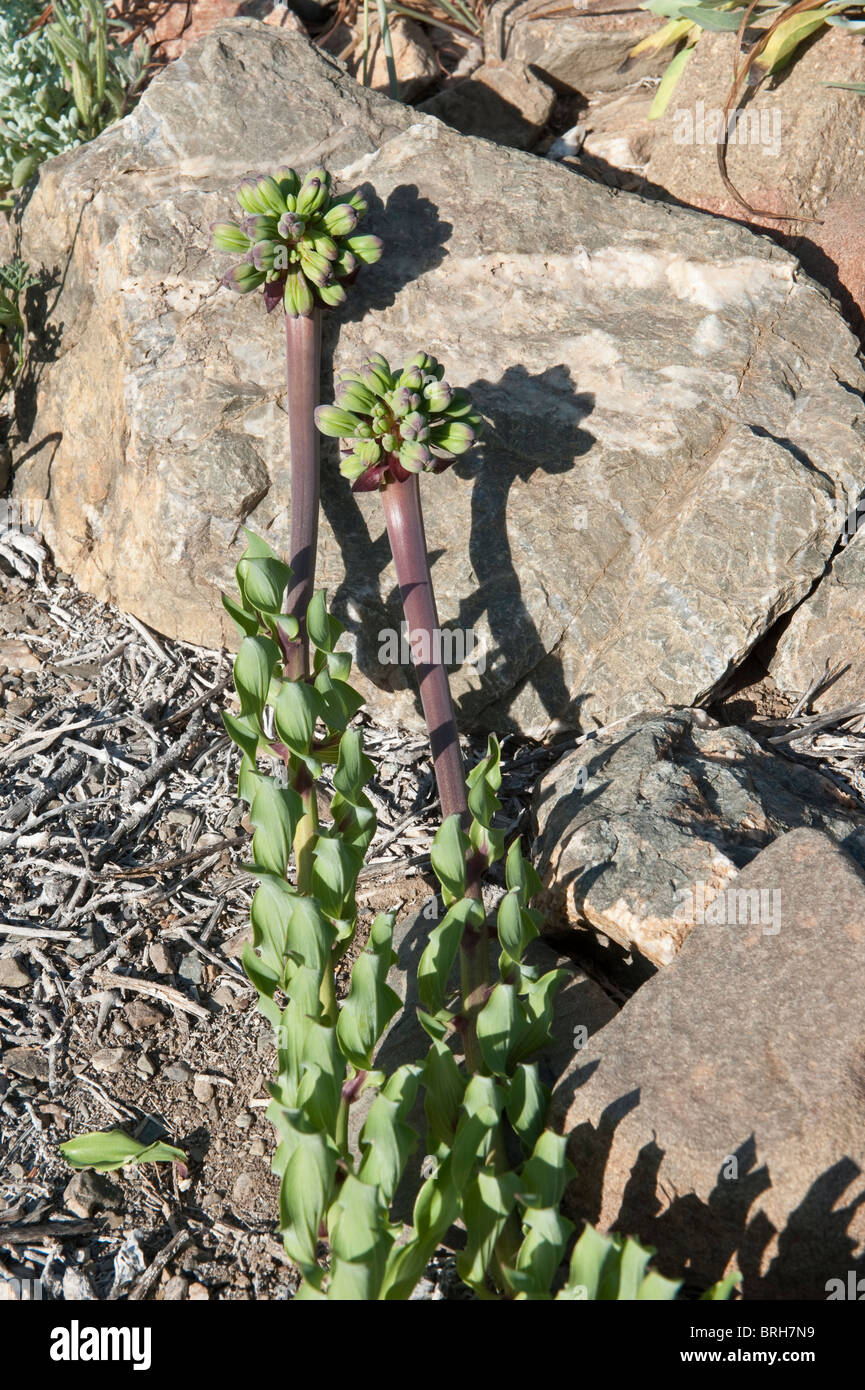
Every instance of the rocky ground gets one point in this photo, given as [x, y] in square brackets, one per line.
[124, 907]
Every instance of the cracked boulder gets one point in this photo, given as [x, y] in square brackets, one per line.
[829, 629]
[674, 411]
[642, 833]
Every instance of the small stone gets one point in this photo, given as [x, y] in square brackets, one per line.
[191, 968]
[180, 816]
[145, 1066]
[177, 1071]
[257, 1147]
[225, 998]
[13, 975]
[243, 1191]
[77, 1287]
[18, 657]
[202, 1090]
[243, 1120]
[57, 889]
[28, 1062]
[110, 1059]
[176, 1289]
[20, 707]
[88, 1192]
[198, 1293]
[161, 958]
[87, 943]
[141, 1015]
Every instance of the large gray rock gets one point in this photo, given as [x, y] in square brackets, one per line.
[673, 412]
[721, 1115]
[642, 831]
[828, 627]
[586, 51]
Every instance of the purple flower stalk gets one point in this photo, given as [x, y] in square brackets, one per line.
[392, 426]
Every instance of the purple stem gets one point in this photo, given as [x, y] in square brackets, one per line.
[303, 370]
[405, 529]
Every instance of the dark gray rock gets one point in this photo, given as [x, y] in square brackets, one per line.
[88, 1192]
[721, 1116]
[640, 831]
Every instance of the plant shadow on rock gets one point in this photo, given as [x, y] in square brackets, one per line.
[534, 427]
[702, 1237]
[414, 237]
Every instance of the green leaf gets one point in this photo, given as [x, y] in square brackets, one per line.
[245, 731]
[669, 82]
[304, 1195]
[546, 1234]
[386, 1139]
[547, 1173]
[353, 769]
[449, 856]
[534, 1032]
[295, 713]
[526, 1105]
[260, 974]
[111, 1149]
[275, 812]
[244, 621]
[656, 1289]
[722, 21]
[497, 1027]
[587, 1262]
[272, 906]
[334, 874]
[441, 950]
[261, 577]
[520, 874]
[444, 1086]
[516, 927]
[483, 782]
[324, 630]
[253, 667]
[360, 1238]
[339, 702]
[486, 1205]
[310, 935]
[371, 1003]
[721, 1291]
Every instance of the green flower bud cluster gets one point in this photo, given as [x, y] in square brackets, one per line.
[391, 423]
[298, 242]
